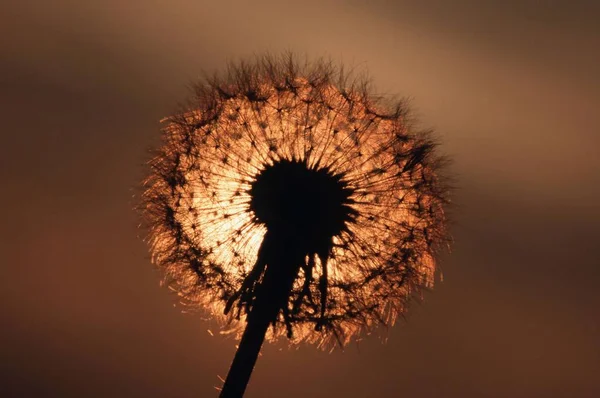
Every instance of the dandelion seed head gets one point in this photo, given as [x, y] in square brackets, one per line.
[363, 182]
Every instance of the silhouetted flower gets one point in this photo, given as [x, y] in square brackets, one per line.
[274, 152]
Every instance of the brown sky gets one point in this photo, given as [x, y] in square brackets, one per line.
[512, 89]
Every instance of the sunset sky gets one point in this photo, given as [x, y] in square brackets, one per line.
[512, 90]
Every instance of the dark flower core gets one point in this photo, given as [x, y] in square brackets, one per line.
[307, 204]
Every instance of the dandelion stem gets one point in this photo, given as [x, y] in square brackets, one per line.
[272, 296]
[246, 355]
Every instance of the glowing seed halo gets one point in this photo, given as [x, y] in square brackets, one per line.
[196, 205]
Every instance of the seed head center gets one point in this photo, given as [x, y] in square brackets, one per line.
[310, 204]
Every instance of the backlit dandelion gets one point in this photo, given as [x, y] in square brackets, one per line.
[291, 201]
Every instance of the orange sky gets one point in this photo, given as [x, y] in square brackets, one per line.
[512, 90]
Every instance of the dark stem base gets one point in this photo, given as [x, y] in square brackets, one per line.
[246, 355]
[283, 264]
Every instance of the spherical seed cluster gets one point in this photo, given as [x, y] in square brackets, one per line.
[198, 206]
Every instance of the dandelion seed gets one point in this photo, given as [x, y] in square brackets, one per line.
[292, 201]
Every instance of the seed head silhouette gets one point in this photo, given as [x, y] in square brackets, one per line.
[288, 200]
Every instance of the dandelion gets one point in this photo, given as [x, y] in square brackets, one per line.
[288, 200]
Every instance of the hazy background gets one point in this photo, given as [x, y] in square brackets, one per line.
[513, 90]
